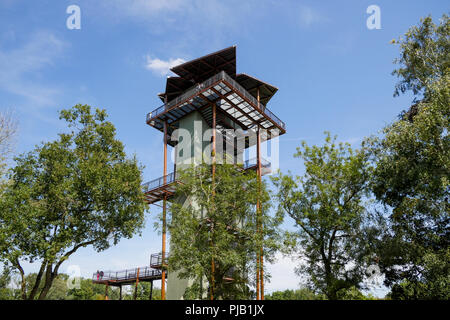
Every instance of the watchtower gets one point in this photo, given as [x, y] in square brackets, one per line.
[206, 94]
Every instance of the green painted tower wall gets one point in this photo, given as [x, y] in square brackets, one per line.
[196, 126]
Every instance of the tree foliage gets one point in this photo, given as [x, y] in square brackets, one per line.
[411, 176]
[90, 291]
[143, 292]
[6, 292]
[8, 130]
[351, 293]
[76, 191]
[424, 58]
[215, 220]
[327, 205]
[299, 294]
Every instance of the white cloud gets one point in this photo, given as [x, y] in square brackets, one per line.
[148, 7]
[162, 67]
[309, 16]
[283, 275]
[20, 65]
[210, 10]
[194, 21]
[153, 11]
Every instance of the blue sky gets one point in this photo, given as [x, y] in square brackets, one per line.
[333, 73]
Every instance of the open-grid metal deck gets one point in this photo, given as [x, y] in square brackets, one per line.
[239, 109]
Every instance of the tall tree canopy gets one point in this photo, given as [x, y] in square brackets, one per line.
[8, 129]
[214, 221]
[327, 206]
[424, 58]
[76, 191]
[412, 171]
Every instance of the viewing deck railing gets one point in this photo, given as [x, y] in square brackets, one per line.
[159, 182]
[193, 91]
[254, 161]
[128, 274]
[248, 96]
[190, 93]
[156, 260]
[172, 177]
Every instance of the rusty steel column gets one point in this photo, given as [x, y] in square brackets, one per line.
[137, 283]
[258, 172]
[257, 257]
[151, 289]
[213, 155]
[163, 250]
[259, 212]
[106, 290]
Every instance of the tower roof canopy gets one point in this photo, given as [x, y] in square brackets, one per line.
[200, 69]
[175, 86]
[251, 84]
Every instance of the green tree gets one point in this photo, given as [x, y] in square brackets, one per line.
[328, 207]
[90, 291]
[76, 191]
[299, 294]
[58, 290]
[354, 293]
[6, 292]
[213, 222]
[424, 58]
[86, 290]
[143, 292]
[412, 170]
[8, 129]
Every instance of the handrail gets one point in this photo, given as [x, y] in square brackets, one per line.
[247, 95]
[193, 91]
[158, 182]
[190, 93]
[156, 259]
[173, 176]
[127, 274]
[254, 161]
